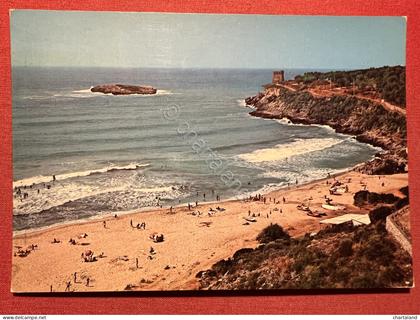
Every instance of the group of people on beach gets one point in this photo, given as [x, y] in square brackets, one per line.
[259, 197]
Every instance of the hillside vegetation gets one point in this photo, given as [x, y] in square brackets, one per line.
[338, 257]
[387, 82]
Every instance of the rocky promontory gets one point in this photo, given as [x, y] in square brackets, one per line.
[123, 89]
[367, 120]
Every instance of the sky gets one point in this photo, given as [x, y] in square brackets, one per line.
[117, 39]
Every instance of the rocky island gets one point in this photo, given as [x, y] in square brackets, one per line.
[123, 89]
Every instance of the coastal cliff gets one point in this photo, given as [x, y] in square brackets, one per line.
[369, 121]
[123, 89]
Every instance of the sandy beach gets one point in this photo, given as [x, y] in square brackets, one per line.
[191, 243]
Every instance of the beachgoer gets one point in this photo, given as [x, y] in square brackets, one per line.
[196, 203]
[87, 282]
[53, 177]
[189, 206]
[131, 223]
[68, 285]
[137, 263]
[152, 251]
[50, 288]
[104, 223]
[284, 200]
[38, 191]
[74, 277]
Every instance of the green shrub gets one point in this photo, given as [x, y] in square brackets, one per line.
[272, 233]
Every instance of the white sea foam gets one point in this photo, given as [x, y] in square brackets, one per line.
[286, 121]
[241, 102]
[114, 193]
[283, 151]
[59, 177]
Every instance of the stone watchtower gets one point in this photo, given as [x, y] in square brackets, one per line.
[278, 76]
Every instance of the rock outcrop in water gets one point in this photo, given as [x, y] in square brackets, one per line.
[368, 121]
[123, 89]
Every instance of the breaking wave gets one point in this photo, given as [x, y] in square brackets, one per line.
[284, 151]
[46, 179]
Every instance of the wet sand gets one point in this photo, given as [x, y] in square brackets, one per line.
[191, 243]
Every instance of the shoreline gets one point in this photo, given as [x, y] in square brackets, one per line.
[192, 243]
[96, 218]
[109, 216]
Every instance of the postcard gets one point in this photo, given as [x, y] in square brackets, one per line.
[162, 152]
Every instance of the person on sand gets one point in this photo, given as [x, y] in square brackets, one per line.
[131, 223]
[189, 206]
[68, 285]
[75, 277]
[284, 200]
[53, 177]
[87, 282]
[152, 251]
[196, 203]
[104, 223]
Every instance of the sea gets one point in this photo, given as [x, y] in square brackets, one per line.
[79, 155]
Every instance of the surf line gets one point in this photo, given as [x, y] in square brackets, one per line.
[216, 164]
